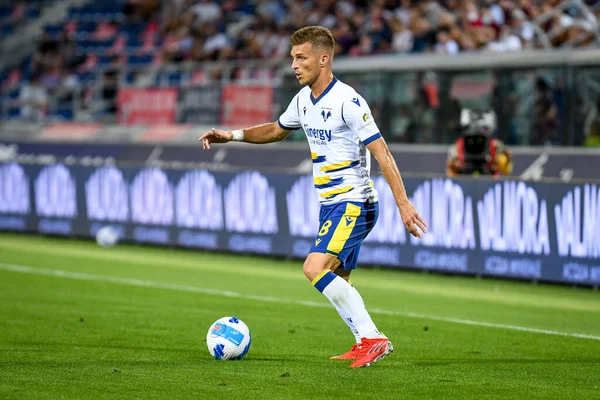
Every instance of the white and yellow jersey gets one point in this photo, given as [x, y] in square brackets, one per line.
[338, 125]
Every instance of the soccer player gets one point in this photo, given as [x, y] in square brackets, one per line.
[342, 133]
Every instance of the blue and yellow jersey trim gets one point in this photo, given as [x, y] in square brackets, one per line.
[372, 138]
[317, 158]
[324, 182]
[340, 166]
[336, 192]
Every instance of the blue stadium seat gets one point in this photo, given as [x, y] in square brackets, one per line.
[133, 29]
[65, 112]
[174, 78]
[87, 26]
[128, 77]
[6, 29]
[87, 77]
[104, 60]
[14, 94]
[32, 13]
[74, 13]
[14, 112]
[139, 59]
[53, 30]
[5, 12]
[133, 42]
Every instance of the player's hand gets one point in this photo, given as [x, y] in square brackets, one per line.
[215, 136]
[412, 220]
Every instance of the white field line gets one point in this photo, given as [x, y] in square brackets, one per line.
[194, 289]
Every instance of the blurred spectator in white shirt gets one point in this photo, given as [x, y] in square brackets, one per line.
[507, 41]
[33, 100]
[402, 39]
[206, 11]
[445, 45]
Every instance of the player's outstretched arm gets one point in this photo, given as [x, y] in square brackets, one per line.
[266, 133]
[410, 217]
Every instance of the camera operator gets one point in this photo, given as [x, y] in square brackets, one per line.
[476, 152]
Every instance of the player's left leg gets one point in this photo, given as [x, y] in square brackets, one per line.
[345, 274]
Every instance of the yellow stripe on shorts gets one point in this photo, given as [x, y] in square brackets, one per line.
[344, 228]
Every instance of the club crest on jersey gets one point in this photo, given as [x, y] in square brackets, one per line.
[325, 115]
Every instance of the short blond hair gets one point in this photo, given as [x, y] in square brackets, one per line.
[317, 36]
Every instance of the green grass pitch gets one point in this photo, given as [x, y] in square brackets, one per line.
[78, 321]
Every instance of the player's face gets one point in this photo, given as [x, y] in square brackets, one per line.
[305, 63]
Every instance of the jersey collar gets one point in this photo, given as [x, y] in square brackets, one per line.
[327, 89]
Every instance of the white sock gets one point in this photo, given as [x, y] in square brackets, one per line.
[347, 320]
[348, 302]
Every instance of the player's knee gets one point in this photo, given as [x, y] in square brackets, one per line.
[312, 269]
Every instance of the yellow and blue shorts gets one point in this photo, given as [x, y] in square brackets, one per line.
[342, 228]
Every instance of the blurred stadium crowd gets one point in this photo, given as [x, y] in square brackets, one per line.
[145, 31]
[110, 35]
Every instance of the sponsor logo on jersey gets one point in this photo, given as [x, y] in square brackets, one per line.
[355, 101]
[366, 117]
[321, 134]
[363, 126]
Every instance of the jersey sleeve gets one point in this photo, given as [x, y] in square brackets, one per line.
[290, 119]
[357, 115]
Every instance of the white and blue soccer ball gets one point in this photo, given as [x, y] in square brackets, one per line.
[107, 236]
[228, 339]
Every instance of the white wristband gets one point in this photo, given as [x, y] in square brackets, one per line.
[238, 135]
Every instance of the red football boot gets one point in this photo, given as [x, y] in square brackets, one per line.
[372, 350]
[351, 354]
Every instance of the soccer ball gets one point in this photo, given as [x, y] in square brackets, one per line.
[228, 339]
[107, 236]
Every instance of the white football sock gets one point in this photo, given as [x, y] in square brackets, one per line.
[347, 320]
[348, 302]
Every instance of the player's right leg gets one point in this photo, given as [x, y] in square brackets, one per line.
[353, 352]
[343, 228]
[371, 344]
